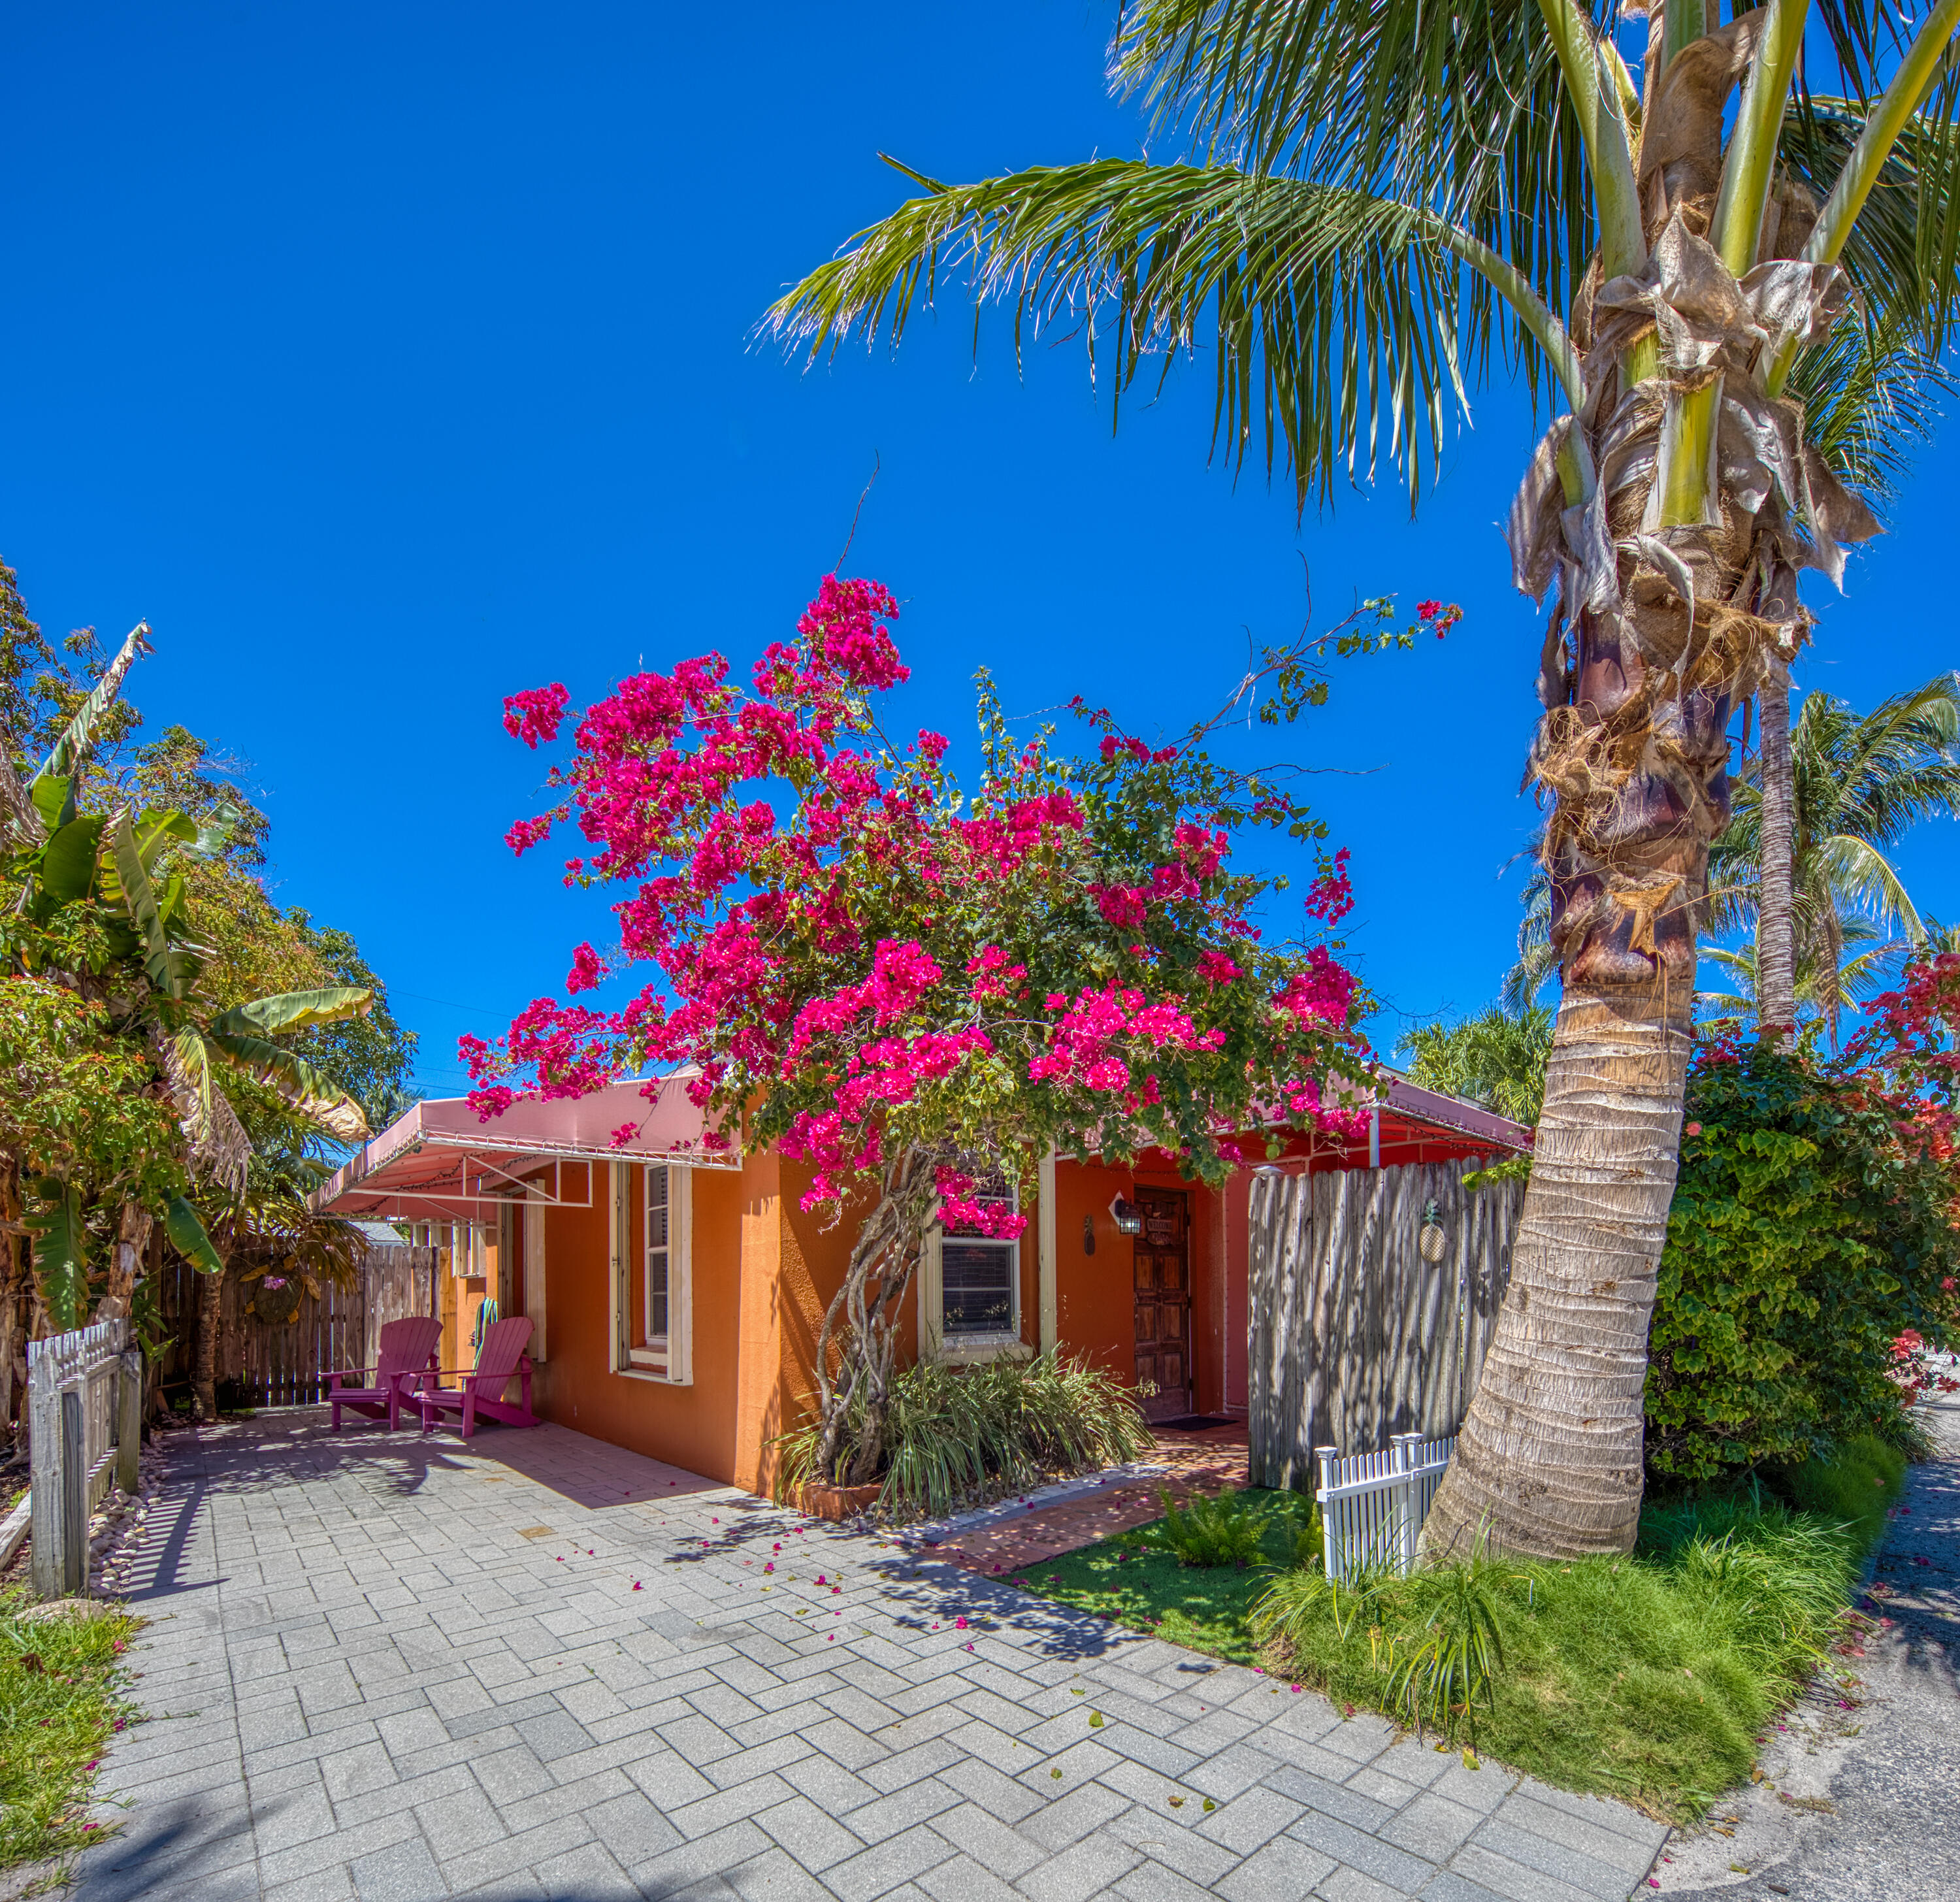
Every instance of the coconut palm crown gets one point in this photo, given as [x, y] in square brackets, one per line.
[1859, 782]
[1370, 206]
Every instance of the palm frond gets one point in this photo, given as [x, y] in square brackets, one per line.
[1866, 880]
[1463, 109]
[1335, 319]
[1870, 395]
[1537, 963]
[1903, 254]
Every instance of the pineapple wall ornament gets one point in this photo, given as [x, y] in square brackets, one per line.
[1430, 1240]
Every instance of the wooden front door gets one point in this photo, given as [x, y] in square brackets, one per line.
[1163, 1302]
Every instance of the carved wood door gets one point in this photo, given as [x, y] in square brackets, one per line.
[1163, 1302]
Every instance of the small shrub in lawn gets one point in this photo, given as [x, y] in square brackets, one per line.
[1224, 1531]
[1309, 1543]
[1447, 1660]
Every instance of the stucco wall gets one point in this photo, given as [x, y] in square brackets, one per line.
[763, 1271]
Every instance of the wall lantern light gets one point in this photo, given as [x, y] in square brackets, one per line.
[1128, 1217]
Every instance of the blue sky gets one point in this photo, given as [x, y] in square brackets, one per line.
[390, 359]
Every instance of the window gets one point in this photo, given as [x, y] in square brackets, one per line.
[970, 1291]
[977, 1283]
[653, 1307]
[652, 1294]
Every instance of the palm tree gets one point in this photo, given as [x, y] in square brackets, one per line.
[1827, 989]
[1858, 783]
[1496, 1059]
[1368, 198]
[1867, 395]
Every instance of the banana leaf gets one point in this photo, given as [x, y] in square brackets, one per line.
[68, 865]
[182, 1224]
[72, 747]
[53, 796]
[170, 970]
[303, 1087]
[293, 1010]
[149, 828]
[60, 1243]
[219, 1147]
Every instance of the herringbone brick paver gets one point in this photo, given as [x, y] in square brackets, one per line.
[537, 1666]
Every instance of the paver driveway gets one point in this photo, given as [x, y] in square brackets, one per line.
[391, 1667]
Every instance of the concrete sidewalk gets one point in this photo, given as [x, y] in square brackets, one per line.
[396, 1669]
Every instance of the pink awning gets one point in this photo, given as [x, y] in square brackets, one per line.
[440, 1163]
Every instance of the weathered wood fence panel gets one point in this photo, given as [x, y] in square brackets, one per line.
[1355, 1337]
[73, 1386]
[285, 1363]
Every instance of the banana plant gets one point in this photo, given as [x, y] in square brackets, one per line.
[91, 907]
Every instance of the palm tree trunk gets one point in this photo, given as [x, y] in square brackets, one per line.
[1549, 1459]
[1776, 929]
[1549, 1456]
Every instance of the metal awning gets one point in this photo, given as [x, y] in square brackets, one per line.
[1434, 1106]
[442, 1162]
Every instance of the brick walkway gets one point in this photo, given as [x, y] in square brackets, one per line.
[1205, 1461]
[397, 1669]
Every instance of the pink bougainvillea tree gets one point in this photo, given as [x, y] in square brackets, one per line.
[913, 991]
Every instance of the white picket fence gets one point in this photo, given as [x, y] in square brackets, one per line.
[1373, 1505]
[84, 1398]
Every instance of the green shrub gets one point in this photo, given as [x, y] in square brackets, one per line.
[1854, 1488]
[1804, 1236]
[956, 1436]
[1227, 1530]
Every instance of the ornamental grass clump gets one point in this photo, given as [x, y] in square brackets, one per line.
[954, 1437]
[1647, 1677]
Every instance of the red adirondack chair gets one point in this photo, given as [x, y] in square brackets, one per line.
[407, 1348]
[501, 1355]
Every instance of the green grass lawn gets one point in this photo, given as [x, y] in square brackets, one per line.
[1202, 1607]
[62, 1682]
[1649, 1678]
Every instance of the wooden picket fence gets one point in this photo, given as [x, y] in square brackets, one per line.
[285, 1363]
[84, 1398]
[1357, 1337]
[1373, 1505]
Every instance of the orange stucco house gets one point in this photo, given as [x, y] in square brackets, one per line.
[675, 1296]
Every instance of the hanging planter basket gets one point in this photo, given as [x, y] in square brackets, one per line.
[274, 1301]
